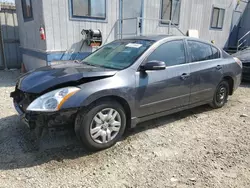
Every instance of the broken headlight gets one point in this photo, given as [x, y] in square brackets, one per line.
[52, 101]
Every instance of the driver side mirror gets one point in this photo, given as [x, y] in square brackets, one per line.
[153, 65]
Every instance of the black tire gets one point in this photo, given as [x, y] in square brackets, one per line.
[83, 124]
[222, 89]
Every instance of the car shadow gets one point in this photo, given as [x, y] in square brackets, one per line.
[17, 150]
[164, 120]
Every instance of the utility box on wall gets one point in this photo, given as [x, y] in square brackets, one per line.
[92, 38]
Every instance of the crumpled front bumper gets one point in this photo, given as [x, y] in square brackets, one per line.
[21, 114]
[53, 120]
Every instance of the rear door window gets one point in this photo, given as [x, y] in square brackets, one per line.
[199, 51]
[171, 53]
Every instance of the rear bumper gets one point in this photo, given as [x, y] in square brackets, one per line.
[60, 119]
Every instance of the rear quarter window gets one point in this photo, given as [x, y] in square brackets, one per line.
[200, 51]
[216, 53]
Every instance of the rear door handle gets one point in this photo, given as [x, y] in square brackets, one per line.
[219, 67]
[185, 76]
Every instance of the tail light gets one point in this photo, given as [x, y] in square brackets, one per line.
[238, 62]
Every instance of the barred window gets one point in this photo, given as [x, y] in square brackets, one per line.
[27, 9]
[218, 15]
[89, 8]
[170, 10]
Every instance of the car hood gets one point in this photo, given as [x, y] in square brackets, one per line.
[52, 77]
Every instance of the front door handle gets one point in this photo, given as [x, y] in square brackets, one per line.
[185, 76]
[219, 67]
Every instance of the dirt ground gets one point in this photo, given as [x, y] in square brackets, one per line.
[196, 148]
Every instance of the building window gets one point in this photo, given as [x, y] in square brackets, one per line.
[27, 10]
[170, 10]
[89, 9]
[218, 15]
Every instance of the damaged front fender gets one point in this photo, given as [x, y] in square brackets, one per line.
[93, 91]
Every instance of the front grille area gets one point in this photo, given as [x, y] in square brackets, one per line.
[23, 99]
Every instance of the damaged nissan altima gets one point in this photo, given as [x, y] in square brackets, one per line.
[124, 83]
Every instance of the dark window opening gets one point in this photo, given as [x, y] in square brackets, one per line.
[171, 53]
[89, 9]
[200, 51]
[218, 15]
[27, 9]
[170, 10]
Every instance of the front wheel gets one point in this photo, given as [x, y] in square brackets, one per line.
[101, 126]
[221, 95]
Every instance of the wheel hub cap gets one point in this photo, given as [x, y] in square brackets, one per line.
[105, 126]
[221, 94]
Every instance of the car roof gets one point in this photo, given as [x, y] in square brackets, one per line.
[156, 38]
[160, 37]
[150, 37]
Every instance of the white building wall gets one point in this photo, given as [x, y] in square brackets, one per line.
[194, 14]
[33, 62]
[29, 30]
[64, 33]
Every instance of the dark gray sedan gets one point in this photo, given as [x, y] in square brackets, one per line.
[244, 56]
[124, 83]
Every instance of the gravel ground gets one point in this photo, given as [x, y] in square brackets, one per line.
[196, 148]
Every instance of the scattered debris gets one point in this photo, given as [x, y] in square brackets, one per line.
[243, 115]
[173, 180]
[192, 179]
[230, 175]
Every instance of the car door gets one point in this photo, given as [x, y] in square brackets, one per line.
[167, 89]
[206, 70]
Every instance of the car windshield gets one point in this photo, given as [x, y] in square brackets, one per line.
[119, 54]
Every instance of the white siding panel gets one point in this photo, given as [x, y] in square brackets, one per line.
[195, 14]
[63, 25]
[49, 25]
[29, 62]
[29, 30]
[57, 26]
[64, 33]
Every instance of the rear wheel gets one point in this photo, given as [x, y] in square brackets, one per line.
[221, 95]
[101, 126]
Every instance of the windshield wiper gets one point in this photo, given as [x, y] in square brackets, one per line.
[102, 66]
[107, 67]
[86, 63]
